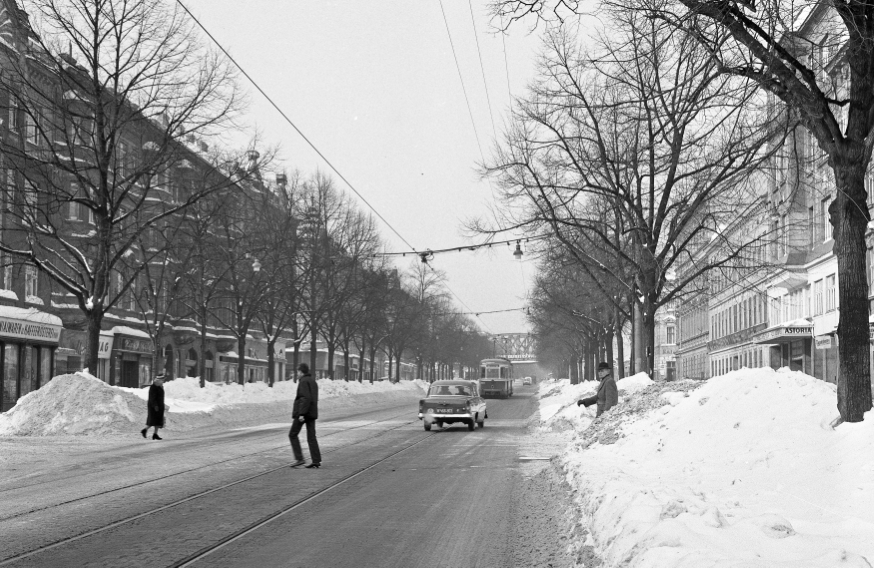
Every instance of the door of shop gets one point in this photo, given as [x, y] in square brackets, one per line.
[130, 374]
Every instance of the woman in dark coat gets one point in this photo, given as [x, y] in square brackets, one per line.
[155, 416]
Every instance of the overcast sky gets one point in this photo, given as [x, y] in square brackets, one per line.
[374, 85]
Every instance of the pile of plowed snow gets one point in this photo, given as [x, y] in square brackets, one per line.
[746, 469]
[80, 404]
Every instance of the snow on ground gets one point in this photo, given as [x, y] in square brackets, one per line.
[743, 470]
[81, 404]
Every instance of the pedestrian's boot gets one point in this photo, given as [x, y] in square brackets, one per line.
[143, 432]
[155, 436]
[314, 465]
[297, 463]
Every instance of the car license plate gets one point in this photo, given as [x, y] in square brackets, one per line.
[445, 410]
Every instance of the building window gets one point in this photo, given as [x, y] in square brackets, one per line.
[31, 282]
[823, 219]
[817, 298]
[5, 272]
[831, 302]
[31, 128]
[811, 227]
[670, 334]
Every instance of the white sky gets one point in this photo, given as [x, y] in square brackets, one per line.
[375, 87]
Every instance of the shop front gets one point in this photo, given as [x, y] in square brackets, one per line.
[132, 357]
[28, 340]
[790, 345]
[70, 356]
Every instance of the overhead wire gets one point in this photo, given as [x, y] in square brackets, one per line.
[461, 78]
[291, 123]
[506, 65]
[482, 69]
[319, 152]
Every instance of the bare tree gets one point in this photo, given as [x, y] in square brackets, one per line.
[103, 96]
[817, 59]
[633, 155]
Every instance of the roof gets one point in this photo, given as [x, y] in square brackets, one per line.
[452, 382]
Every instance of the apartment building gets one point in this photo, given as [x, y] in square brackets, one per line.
[782, 312]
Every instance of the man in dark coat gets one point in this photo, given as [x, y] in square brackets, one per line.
[607, 395]
[155, 415]
[306, 411]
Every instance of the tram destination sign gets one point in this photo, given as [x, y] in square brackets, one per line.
[29, 330]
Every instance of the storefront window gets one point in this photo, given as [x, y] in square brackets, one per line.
[29, 377]
[10, 375]
[45, 366]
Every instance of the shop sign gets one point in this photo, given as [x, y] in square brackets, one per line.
[823, 341]
[135, 345]
[78, 340]
[29, 330]
[800, 331]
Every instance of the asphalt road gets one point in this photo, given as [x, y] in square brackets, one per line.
[449, 498]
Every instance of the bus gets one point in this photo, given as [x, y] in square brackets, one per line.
[496, 377]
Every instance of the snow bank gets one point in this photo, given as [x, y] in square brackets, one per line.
[81, 404]
[741, 470]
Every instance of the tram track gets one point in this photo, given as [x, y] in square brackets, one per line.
[241, 532]
[207, 466]
[104, 470]
[251, 528]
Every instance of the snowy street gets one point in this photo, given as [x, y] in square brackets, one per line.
[400, 496]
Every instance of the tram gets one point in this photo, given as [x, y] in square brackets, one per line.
[496, 377]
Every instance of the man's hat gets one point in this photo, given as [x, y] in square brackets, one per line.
[604, 365]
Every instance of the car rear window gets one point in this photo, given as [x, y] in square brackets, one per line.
[449, 390]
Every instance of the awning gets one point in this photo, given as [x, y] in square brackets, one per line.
[780, 334]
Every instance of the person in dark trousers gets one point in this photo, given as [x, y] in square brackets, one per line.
[155, 416]
[306, 411]
[607, 395]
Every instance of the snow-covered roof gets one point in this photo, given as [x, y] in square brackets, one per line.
[125, 330]
[30, 314]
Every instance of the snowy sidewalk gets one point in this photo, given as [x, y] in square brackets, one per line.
[745, 469]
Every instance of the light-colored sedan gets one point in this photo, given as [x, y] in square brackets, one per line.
[448, 402]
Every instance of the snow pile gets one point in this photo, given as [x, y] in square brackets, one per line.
[745, 469]
[634, 382]
[80, 404]
[558, 401]
[188, 389]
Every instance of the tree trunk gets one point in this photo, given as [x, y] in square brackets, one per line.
[647, 337]
[346, 359]
[640, 354]
[620, 348]
[575, 375]
[632, 356]
[608, 347]
[95, 318]
[361, 364]
[201, 358]
[313, 344]
[372, 362]
[849, 222]
[271, 366]
[241, 359]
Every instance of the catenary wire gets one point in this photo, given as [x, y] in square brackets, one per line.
[482, 68]
[461, 78]
[291, 123]
[313, 146]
